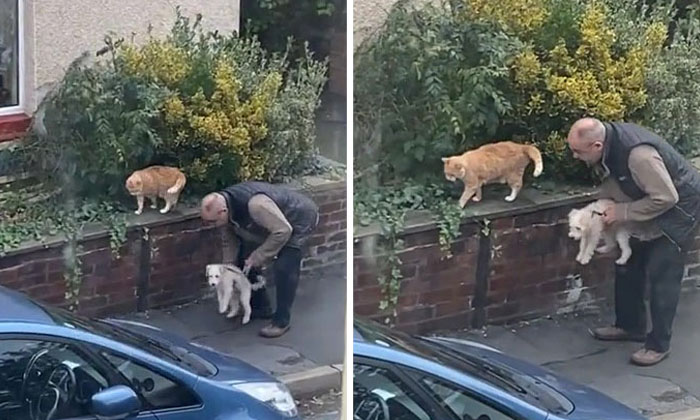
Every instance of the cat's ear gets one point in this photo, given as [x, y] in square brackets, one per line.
[445, 159]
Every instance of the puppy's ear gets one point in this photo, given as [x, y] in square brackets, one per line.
[574, 213]
[445, 159]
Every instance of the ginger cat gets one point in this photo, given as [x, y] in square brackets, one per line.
[156, 181]
[502, 162]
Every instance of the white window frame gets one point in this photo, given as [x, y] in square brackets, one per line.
[20, 108]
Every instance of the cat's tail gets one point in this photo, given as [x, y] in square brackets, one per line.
[534, 154]
[179, 185]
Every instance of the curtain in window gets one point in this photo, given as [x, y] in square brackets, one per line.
[9, 60]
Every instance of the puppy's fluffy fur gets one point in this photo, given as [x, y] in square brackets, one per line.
[232, 288]
[586, 225]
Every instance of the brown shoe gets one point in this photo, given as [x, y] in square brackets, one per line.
[273, 331]
[646, 357]
[616, 334]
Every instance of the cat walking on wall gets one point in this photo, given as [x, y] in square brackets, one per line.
[502, 162]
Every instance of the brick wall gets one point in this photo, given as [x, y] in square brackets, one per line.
[161, 263]
[523, 269]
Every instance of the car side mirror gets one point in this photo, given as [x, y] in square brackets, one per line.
[116, 403]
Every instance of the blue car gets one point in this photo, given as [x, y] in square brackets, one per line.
[400, 377]
[55, 365]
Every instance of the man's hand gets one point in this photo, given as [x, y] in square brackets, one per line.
[609, 216]
[247, 266]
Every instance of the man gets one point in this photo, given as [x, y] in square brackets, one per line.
[276, 218]
[650, 181]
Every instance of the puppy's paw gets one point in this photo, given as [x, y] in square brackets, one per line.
[476, 199]
[246, 319]
[585, 259]
[621, 261]
[138, 211]
[222, 310]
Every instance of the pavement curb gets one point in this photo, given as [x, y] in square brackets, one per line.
[313, 381]
[693, 414]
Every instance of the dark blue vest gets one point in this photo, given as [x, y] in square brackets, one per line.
[679, 222]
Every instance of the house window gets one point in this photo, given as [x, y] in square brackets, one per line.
[9, 54]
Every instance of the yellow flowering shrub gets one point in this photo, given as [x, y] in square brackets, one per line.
[225, 122]
[159, 61]
[519, 16]
[589, 79]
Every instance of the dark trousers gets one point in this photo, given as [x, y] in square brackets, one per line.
[285, 270]
[659, 262]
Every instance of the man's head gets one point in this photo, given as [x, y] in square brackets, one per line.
[586, 140]
[214, 210]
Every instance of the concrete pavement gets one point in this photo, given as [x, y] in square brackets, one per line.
[308, 358]
[563, 344]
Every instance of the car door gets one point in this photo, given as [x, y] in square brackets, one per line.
[382, 392]
[44, 377]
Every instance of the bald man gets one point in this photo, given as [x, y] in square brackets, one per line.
[259, 223]
[650, 181]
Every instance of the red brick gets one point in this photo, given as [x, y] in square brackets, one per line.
[32, 267]
[368, 294]
[450, 322]
[416, 314]
[9, 275]
[330, 207]
[407, 300]
[366, 309]
[453, 307]
[436, 296]
[504, 223]
[502, 311]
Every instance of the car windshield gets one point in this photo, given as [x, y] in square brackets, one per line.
[175, 354]
[496, 374]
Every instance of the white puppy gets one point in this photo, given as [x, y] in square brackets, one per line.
[586, 225]
[232, 288]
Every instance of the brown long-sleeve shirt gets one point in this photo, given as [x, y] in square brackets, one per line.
[651, 176]
[265, 213]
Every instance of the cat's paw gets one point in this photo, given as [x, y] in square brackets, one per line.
[585, 259]
[476, 199]
[138, 212]
[246, 319]
[510, 198]
[222, 310]
[163, 211]
[230, 315]
[462, 203]
[621, 261]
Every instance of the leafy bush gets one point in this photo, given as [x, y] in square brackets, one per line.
[429, 85]
[219, 107]
[442, 79]
[673, 89]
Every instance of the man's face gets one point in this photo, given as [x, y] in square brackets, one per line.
[217, 218]
[215, 213]
[587, 151]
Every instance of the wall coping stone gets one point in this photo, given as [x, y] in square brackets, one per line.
[492, 206]
[182, 213]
